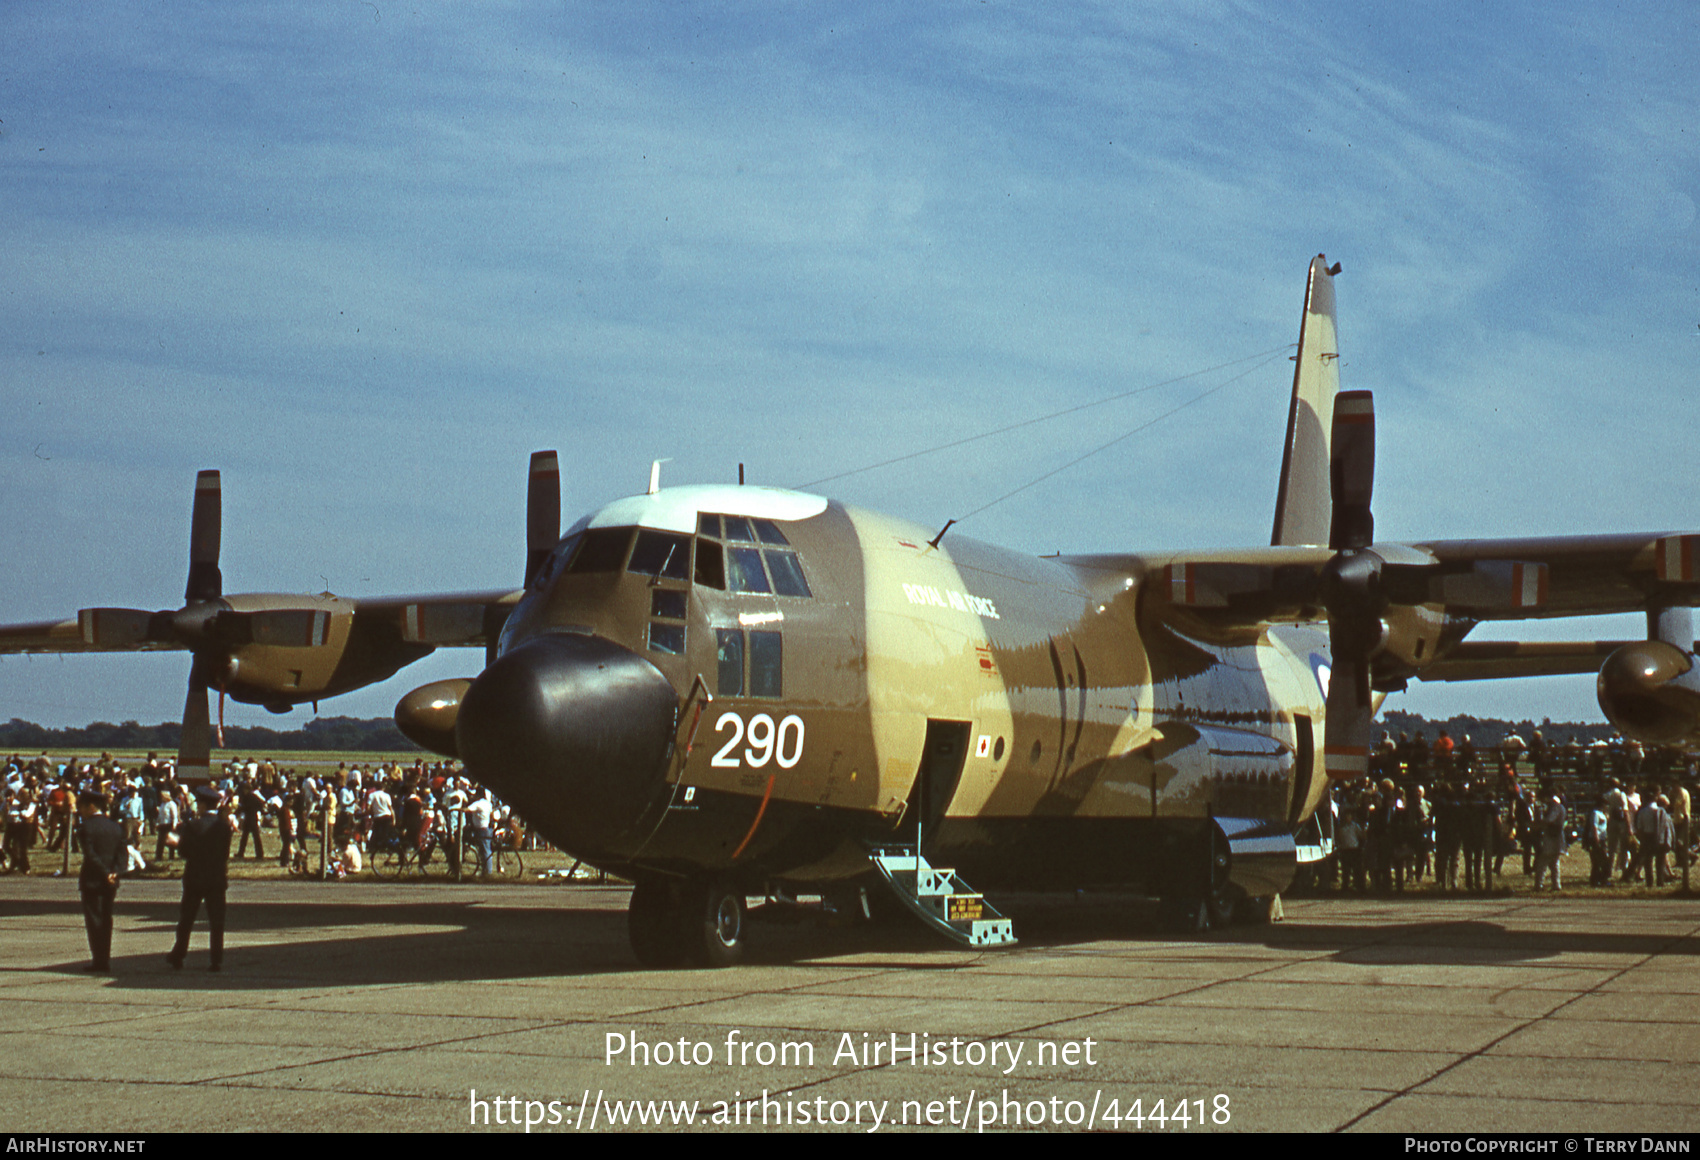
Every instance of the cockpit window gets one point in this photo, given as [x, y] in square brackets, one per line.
[787, 574]
[603, 550]
[711, 565]
[772, 568]
[767, 653]
[557, 561]
[662, 554]
[729, 648]
[669, 603]
[744, 570]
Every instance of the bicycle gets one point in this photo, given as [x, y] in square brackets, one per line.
[399, 858]
[505, 861]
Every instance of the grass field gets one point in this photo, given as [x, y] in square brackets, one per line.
[542, 866]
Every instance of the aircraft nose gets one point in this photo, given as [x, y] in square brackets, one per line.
[574, 732]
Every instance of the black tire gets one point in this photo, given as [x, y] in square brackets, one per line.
[1185, 916]
[426, 860]
[1257, 911]
[409, 858]
[389, 864]
[469, 860]
[720, 933]
[653, 926]
[1198, 895]
[506, 864]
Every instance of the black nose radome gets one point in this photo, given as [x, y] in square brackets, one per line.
[574, 732]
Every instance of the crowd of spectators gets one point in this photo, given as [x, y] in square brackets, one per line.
[430, 806]
[1446, 811]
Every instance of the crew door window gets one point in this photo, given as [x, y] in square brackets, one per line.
[764, 653]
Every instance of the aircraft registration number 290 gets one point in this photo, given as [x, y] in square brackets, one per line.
[781, 743]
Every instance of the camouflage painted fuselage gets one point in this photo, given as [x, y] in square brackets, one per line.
[1077, 732]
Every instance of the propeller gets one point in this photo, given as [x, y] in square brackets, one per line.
[201, 596]
[1351, 587]
[206, 583]
[542, 511]
[429, 713]
[207, 626]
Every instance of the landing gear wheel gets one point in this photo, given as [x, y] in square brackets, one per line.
[653, 925]
[1185, 916]
[721, 935]
[1204, 898]
[674, 924]
[1259, 911]
[1224, 898]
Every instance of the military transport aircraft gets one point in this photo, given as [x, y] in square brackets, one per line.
[724, 692]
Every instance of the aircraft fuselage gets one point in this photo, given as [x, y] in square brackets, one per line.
[768, 682]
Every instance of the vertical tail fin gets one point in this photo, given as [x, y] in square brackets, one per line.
[1303, 510]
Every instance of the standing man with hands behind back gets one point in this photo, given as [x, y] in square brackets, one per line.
[205, 846]
[103, 858]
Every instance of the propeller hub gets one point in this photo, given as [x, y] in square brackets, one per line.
[1352, 592]
[196, 624]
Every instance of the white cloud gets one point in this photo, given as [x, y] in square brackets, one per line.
[347, 257]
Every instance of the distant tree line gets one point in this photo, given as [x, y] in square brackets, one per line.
[1488, 732]
[334, 733]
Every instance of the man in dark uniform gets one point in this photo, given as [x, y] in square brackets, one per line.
[252, 807]
[103, 858]
[205, 846]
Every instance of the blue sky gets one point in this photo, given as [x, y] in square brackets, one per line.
[364, 259]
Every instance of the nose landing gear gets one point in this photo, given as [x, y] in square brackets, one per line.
[674, 923]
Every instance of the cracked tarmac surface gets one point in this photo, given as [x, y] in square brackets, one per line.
[383, 1007]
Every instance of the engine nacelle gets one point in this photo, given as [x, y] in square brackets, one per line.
[428, 714]
[1651, 691]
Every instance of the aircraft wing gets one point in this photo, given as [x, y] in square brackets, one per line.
[451, 620]
[1463, 580]
[1515, 579]
[1435, 592]
[64, 636]
[442, 620]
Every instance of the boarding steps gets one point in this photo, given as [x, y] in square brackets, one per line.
[940, 899]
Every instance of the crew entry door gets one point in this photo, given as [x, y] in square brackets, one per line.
[942, 759]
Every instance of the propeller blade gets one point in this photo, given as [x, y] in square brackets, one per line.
[542, 511]
[1347, 729]
[1351, 470]
[1351, 587]
[205, 582]
[194, 750]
